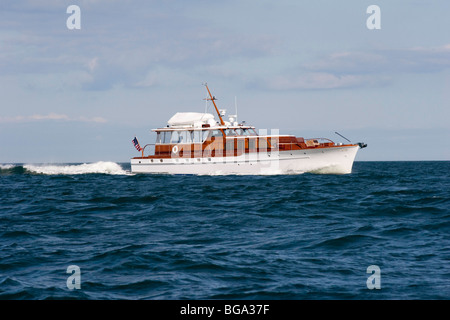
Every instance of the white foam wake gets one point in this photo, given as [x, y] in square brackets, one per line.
[7, 166]
[96, 167]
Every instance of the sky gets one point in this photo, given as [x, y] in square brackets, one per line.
[308, 68]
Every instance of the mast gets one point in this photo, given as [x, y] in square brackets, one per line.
[215, 106]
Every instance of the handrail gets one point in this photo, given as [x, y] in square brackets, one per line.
[149, 144]
[319, 139]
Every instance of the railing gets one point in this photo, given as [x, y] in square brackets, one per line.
[320, 139]
[314, 142]
[149, 144]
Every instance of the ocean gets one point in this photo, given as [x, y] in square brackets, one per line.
[96, 231]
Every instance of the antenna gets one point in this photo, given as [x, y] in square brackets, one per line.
[342, 136]
[206, 98]
[235, 107]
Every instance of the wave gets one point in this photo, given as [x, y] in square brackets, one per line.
[11, 169]
[102, 167]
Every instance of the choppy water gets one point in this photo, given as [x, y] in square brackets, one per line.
[303, 236]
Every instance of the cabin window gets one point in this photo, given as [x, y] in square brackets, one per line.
[252, 144]
[189, 136]
[216, 133]
[241, 132]
[166, 137]
[197, 136]
[184, 137]
[158, 137]
[230, 132]
[240, 145]
[175, 137]
[205, 135]
[263, 143]
[230, 146]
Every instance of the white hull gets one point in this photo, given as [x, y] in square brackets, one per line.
[333, 160]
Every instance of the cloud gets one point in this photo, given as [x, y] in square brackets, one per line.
[374, 68]
[93, 64]
[119, 44]
[388, 61]
[322, 80]
[50, 117]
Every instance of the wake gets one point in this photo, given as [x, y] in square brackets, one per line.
[101, 167]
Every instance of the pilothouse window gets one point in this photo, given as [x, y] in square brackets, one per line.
[243, 132]
[175, 137]
[205, 135]
[184, 137]
[172, 137]
[216, 133]
[199, 136]
[166, 137]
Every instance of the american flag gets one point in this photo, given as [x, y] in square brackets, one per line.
[136, 144]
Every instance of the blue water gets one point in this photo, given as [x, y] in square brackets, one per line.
[305, 236]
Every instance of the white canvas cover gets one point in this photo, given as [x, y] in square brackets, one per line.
[190, 119]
